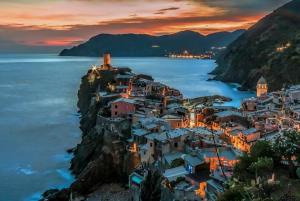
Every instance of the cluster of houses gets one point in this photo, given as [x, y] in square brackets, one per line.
[193, 147]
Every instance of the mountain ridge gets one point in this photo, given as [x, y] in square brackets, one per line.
[149, 45]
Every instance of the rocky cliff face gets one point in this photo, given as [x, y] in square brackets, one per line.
[101, 157]
[270, 48]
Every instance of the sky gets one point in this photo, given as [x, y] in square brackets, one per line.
[50, 25]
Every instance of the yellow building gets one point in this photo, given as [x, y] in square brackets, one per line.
[261, 87]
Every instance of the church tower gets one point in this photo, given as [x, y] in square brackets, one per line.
[261, 87]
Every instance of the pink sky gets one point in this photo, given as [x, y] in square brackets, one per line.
[69, 22]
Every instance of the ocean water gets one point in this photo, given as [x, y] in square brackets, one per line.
[39, 120]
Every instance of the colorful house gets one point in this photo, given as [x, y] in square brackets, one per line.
[122, 107]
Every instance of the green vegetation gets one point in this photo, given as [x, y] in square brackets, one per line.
[177, 181]
[177, 162]
[288, 146]
[151, 187]
[263, 175]
[269, 48]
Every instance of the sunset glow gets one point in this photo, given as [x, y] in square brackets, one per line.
[69, 22]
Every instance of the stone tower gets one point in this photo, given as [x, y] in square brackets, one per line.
[261, 87]
[106, 62]
[106, 59]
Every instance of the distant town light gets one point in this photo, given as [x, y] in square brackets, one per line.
[283, 47]
[155, 46]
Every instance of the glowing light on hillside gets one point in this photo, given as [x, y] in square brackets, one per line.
[283, 47]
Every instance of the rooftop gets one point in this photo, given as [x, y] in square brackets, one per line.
[177, 132]
[173, 173]
[126, 100]
[225, 152]
[121, 87]
[119, 76]
[193, 160]
[228, 113]
[139, 132]
[249, 131]
[262, 80]
[169, 116]
[172, 156]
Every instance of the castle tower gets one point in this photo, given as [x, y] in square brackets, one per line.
[106, 62]
[261, 87]
[106, 59]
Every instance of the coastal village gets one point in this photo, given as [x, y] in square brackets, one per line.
[193, 144]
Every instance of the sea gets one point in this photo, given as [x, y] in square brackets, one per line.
[39, 119]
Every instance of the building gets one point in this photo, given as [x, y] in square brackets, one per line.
[246, 138]
[261, 87]
[159, 144]
[106, 62]
[136, 179]
[176, 121]
[122, 107]
[228, 157]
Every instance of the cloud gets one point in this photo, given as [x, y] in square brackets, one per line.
[55, 28]
[164, 10]
[241, 6]
[73, 34]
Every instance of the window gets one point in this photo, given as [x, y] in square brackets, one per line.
[116, 113]
[178, 124]
[116, 106]
[175, 144]
[151, 144]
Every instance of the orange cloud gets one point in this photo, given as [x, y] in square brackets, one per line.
[65, 23]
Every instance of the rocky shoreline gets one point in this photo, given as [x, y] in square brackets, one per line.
[97, 160]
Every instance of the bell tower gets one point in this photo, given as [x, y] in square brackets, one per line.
[261, 87]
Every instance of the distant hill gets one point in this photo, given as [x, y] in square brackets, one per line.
[270, 48]
[137, 45]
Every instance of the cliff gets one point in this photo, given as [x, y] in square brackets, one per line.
[140, 45]
[101, 157]
[270, 48]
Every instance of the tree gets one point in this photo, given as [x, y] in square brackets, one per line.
[151, 187]
[262, 166]
[241, 169]
[262, 149]
[288, 146]
[258, 152]
[236, 193]
[298, 172]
